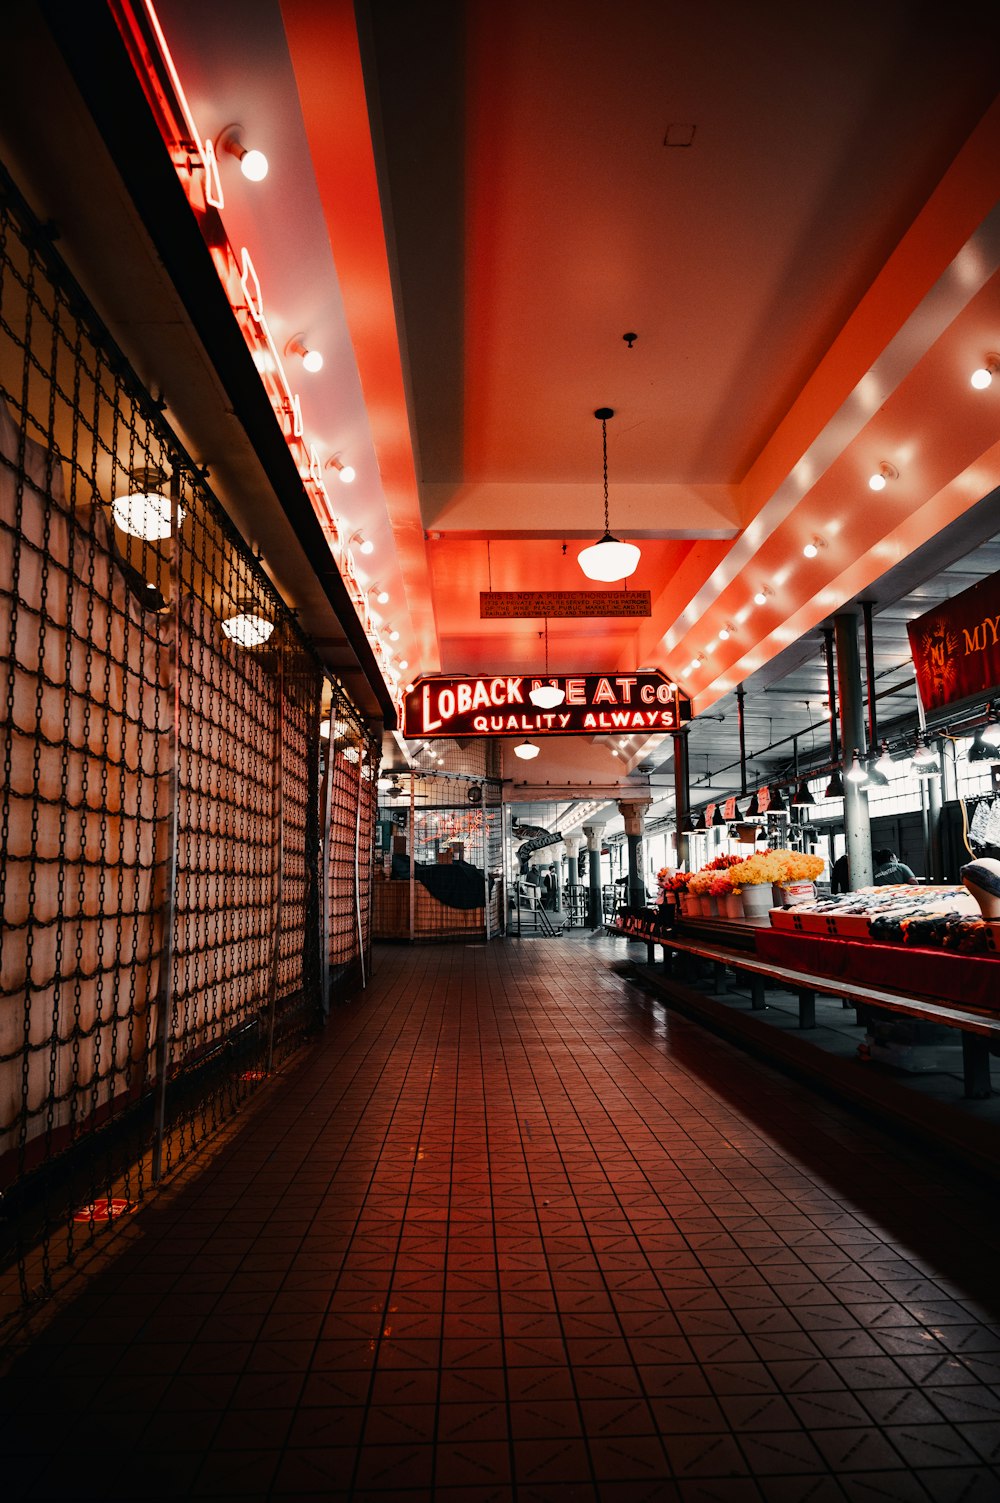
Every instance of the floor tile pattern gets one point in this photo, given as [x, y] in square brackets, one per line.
[512, 1232]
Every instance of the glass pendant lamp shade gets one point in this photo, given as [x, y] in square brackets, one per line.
[982, 750]
[857, 772]
[546, 696]
[609, 558]
[526, 750]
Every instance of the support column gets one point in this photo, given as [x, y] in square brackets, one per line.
[681, 796]
[595, 835]
[852, 728]
[935, 863]
[634, 814]
[572, 844]
[556, 870]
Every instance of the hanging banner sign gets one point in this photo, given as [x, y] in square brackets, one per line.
[729, 809]
[595, 705]
[526, 605]
[956, 647]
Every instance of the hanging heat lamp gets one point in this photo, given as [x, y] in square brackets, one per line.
[608, 559]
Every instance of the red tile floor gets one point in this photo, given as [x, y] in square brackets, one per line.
[513, 1232]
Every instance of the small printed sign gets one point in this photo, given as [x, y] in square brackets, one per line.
[523, 605]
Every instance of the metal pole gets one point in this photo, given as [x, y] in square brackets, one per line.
[357, 877]
[856, 820]
[324, 880]
[165, 990]
[272, 1000]
[682, 796]
[831, 692]
[936, 863]
[411, 839]
[741, 722]
[866, 614]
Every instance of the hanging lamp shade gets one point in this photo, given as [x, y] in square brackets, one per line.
[802, 798]
[718, 818]
[526, 750]
[776, 804]
[982, 750]
[835, 787]
[608, 559]
[857, 773]
[753, 808]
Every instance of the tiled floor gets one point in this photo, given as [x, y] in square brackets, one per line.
[511, 1232]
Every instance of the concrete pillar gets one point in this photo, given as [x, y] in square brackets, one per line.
[595, 836]
[634, 814]
[681, 796]
[572, 844]
[852, 735]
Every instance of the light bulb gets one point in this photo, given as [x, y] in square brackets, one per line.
[760, 598]
[382, 597]
[365, 545]
[253, 165]
[724, 634]
[991, 732]
[882, 476]
[609, 559]
[983, 377]
[876, 482]
[312, 360]
[347, 473]
[404, 663]
[810, 550]
[394, 635]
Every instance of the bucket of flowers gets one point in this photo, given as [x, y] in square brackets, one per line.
[729, 903]
[673, 887]
[797, 883]
[752, 879]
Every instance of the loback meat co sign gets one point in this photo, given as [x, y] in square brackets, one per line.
[594, 705]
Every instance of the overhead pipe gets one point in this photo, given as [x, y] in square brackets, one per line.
[866, 612]
[831, 689]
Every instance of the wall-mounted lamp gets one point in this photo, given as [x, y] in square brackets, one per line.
[365, 545]
[378, 596]
[760, 598]
[725, 633]
[253, 163]
[146, 512]
[311, 359]
[247, 629]
[983, 377]
[345, 472]
[812, 548]
[880, 479]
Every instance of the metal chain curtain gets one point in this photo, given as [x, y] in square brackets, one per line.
[161, 837]
[351, 772]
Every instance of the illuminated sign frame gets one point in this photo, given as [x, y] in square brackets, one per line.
[596, 704]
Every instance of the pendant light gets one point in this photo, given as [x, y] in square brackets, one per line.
[546, 696]
[608, 559]
[857, 773]
[718, 818]
[776, 804]
[835, 787]
[753, 808]
[982, 750]
[925, 763]
[802, 798]
[526, 750]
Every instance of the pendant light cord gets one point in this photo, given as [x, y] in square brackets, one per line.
[604, 440]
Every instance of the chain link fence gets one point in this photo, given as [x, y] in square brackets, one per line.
[180, 848]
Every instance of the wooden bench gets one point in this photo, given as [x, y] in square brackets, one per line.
[978, 1029]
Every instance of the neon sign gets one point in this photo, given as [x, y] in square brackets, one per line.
[595, 704]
